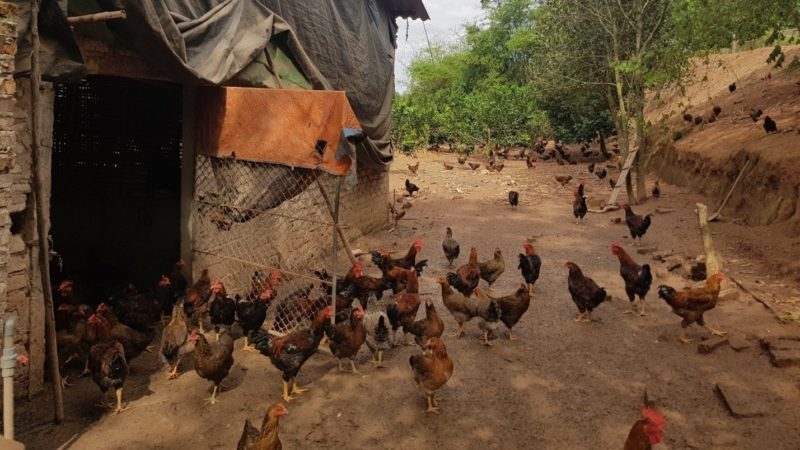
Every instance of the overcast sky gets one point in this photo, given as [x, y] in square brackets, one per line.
[447, 18]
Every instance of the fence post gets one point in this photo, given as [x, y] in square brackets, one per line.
[335, 250]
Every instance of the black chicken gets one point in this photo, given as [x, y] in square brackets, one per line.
[586, 294]
[637, 225]
[513, 199]
[579, 208]
[601, 174]
[529, 264]
[223, 309]
[450, 247]
[251, 313]
[769, 125]
[656, 190]
[732, 87]
[591, 168]
[411, 188]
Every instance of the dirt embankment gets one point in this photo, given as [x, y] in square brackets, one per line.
[708, 157]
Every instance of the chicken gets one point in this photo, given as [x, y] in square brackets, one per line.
[463, 309]
[755, 115]
[692, 304]
[732, 87]
[196, 301]
[267, 437]
[467, 277]
[474, 166]
[688, 117]
[430, 326]
[413, 168]
[74, 338]
[579, 208]
[167, 295]
[432, 368]
[637, 278]
[529, 264]
[450, 247]
[493, 268]
[698, 120]
[513, 199]
[512, 307]
[447, 166]
[410, 259]
[563, 180]
[601, 174]
[489, 313]
[646, 432]
[107, 362]
[461, 160]
[290, 352]
[769, 125]
[656, 192]
[529, 161]
[637, 225]
[212, 361]
[347, 337]
[404, 306]
[136, 310]
[586, 294]
[489, 165]
[411, 188]
[133, 341]
[591, 168]
[498, 167]
[176, 278]
[222, 309]
[251, 313]
[363, 285]
[175, 340]
[377, 337]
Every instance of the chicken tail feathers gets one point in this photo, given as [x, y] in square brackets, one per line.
[377, 259]
[599, 297]
[420, 266]
[665, 292]
[262, 342]
[645, 276]
[456, 283]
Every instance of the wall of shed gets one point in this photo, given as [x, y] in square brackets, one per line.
[20, 284]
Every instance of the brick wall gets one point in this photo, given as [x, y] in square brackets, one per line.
[20, 284]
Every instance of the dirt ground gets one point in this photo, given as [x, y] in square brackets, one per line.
[563, 385]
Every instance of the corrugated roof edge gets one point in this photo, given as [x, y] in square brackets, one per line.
[407, 9]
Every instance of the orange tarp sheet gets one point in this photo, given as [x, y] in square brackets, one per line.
[275, 126]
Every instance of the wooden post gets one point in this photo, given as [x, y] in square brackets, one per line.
[38, 195]
[334, 216]
[713, 262]
[727, 197]
[98, 17]
[187, 177]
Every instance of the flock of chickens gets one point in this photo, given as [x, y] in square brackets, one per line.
[107, 336]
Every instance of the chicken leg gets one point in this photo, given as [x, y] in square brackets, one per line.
[579, 318]
[641, 307]
[247, 347]
[486, 338]
[213, 398]
[353, 366]
[119, 407]
[286, 397]
[432, 408]
[630, 309]
[460, 331]
[683, 338]
[511, 336]
[174, 372]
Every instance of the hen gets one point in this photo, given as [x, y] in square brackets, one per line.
[474, 166]
[136, 310]
[430, 326]
[195, 303]
[363, 285]
[267, 437]
[450, 247]
[563, 180]
[347, 337]
[513, 199]
[411, 188]
[579, 208]
[404, 306]
[212, 361]
[586, 294]
[637, 225]
[530, 264]
[601, 174]
[489, 314]
[432, 368]
[462, 308]
[512, 307]
[637, 278]
[378, 339]
[413, 168]
[223, 308]
[175, 340]
[693, 303]
[461, 159]
[646, 432]
[251, 313]
[493, 268]
[410, 259]
[290, 352]
[656, 192]
[107, 362]
[467, 277]
[134, 342]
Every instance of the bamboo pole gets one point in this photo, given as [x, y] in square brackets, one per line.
[727, 197]
[98, 17]
[713, 263]
[334, 216]
[41, 218]
[335, 247]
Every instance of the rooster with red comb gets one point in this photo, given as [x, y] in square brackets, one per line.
[646, 432]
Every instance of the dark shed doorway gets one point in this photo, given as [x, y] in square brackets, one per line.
[116, 180]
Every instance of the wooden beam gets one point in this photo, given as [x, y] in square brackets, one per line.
[98, 17]
[713, 262]
[42, 215]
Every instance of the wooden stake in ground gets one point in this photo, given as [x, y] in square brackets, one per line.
[727, 197]
[345, 242]
[713, 261]
[41, 219]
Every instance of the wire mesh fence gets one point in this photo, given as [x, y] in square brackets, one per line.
[252, 218]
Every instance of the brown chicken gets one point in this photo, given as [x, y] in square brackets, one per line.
[430, 326]
[212, 360]
[467, 277]
[196, 301]
[413, 168]
[175, 341]
[135, 342]
[646, 432]
[493, 268]
[107, 362]
[432, 368]
[447, 166]
[409, 260]
[363, 285]
[267, 437]
[74, 338]
[462, 308]
[691, 304]
[563, 180]
[489, 314]
[512, 307]
[404, 306]
[586, 294]
[346, 338]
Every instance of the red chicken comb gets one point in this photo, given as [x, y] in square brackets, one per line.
[654, 416]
